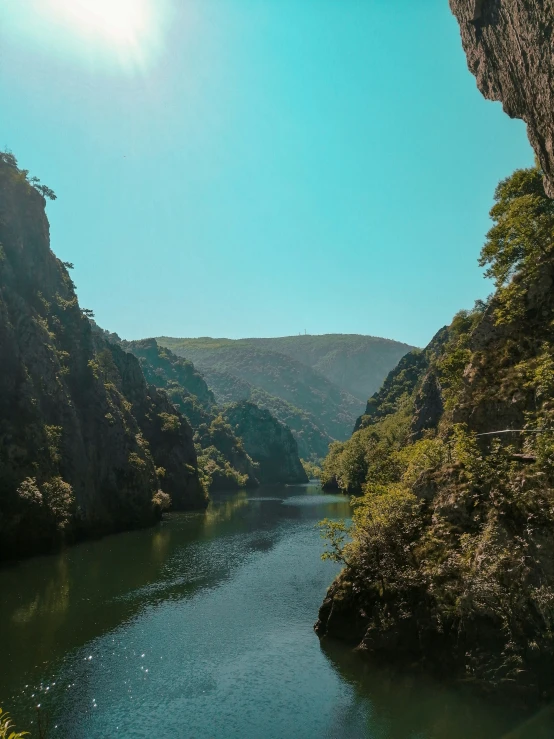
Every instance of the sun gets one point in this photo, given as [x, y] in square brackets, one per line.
[121, 22]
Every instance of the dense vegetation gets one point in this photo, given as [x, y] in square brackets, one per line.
[223, 461]
[82, 437]
[450, 560]
[313, 443]
[356, 364]
[314, 384]
[333, 410]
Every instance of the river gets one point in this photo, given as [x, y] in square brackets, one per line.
[203, 627]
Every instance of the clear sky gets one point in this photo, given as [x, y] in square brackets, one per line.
[258, 167]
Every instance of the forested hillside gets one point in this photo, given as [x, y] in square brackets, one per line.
[356, 363]
[450, 563]
[293, 378]
[83, 438]
[227, 458]
[227, 388]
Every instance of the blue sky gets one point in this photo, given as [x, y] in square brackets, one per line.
[259, 167]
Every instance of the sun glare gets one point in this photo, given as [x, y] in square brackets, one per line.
[110, 35]
[122, 22]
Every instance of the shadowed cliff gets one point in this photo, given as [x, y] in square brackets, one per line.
[82, 435]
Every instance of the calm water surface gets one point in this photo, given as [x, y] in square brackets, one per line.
[202, 627]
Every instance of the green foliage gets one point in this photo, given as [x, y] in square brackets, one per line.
[54, 436]
[46, 191]
[415, 459]
[397, 389]
[292, 389]
[64, 303]
[137, 461]
[94, 367]
[452, 540]
[386, 525]
[6, 157]
[170, 422]
[521, 240]
[59, 499]
[367, 457]
[216, 472]
[335, 535]
[455, 354]
[52, 502]
[161, 501]
[7, 727]
[312, 469]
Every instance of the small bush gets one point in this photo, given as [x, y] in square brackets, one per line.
[6, 728]
[161, 501]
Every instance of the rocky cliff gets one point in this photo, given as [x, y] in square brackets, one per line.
[223, 461]
[450, 563]
[510, 49]
[267, 441]
[82, 437]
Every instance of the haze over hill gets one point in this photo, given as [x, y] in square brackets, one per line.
[317, 385]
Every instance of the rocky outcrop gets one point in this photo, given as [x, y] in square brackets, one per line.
[163, 368]
[222, 458]
[269, 443]
[400, 381]
[82, 437]
[510, 50]
[428, 406]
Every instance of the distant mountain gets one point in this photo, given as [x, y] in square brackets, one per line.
[305, 381]
[357, 364]
[258, 449]
[227, 388]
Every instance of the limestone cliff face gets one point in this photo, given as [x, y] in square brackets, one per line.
[269, 443]
[81, 434]
[510, 50]
[164, 369]
[222, 457]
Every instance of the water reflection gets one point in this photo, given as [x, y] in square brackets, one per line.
[203, 626]
[406, 706]
[58, 603]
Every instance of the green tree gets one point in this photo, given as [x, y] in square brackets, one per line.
[520, 241]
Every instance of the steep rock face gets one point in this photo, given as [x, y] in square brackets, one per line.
[312, 440]
[167, 433]
[268, 442]
[73, 456]
[222, 457]
[161, 368]
[510, 50]
[428, 406]
[401, 380]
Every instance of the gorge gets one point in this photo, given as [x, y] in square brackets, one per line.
[163, 550]
[450, 564]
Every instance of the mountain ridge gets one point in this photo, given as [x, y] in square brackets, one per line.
[290, 376]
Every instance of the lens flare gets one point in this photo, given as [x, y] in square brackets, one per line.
[118, 21]
[114, 35]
